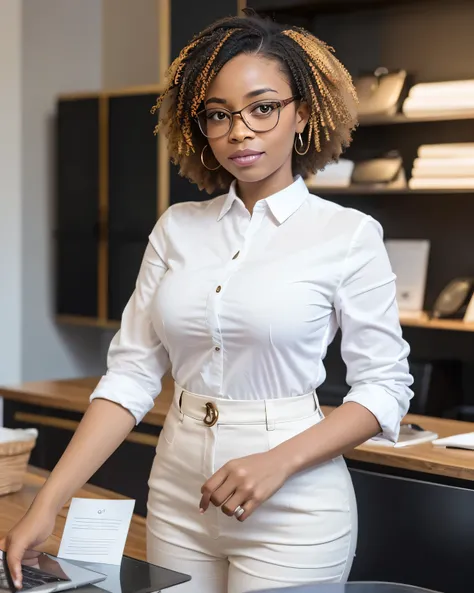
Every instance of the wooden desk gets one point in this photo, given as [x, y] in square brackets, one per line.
[73, 395]
[13, 507]
[425, 510]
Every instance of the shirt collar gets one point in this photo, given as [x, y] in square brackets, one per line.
[282, 204]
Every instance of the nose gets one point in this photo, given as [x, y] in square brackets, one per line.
[240, 131]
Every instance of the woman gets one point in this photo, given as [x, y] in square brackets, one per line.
[240, 296]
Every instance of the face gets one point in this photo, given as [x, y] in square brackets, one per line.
[254, 156]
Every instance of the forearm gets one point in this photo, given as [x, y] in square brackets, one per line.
[102, 429]
[346, 427]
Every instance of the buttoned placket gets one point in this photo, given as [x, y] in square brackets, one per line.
[215, 297]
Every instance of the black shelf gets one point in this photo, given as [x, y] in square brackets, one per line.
[400, 118]
[364, 191]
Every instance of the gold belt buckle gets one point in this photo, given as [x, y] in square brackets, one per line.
[212, 414]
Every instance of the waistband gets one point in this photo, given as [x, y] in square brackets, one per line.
[214, 410]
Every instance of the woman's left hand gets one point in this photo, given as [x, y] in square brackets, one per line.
[246, 482]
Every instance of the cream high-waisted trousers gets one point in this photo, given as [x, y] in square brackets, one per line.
[305, 533]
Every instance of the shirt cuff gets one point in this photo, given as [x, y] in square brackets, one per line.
[383, 405]
[126, 392]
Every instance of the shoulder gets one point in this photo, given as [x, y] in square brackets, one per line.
[343, 221]
[189, 214]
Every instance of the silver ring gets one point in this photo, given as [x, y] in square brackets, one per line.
[239, 511]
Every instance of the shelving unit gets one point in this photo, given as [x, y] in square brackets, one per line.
[445, 324]
[368, 190]
[401, 118]
[308, 7]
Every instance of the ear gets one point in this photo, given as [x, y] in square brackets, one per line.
[302, 116]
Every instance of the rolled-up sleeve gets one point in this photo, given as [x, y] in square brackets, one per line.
[137, 360]
[372, 345]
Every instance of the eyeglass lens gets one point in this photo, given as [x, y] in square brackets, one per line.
[259, 117]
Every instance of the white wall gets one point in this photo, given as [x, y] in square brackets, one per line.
[130, 43]
[10, 192]
[62, 48]
[48, 47]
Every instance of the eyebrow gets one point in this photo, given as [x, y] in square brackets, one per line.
[249, 95]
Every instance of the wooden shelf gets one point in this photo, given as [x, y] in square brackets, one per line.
[400, 118]
[87, 321]
[369, 190]
[445, 324]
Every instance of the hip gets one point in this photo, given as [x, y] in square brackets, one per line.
[201, 434]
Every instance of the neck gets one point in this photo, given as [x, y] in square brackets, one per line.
[251, 192]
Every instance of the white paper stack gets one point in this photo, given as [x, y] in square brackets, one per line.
[454, 97]
[334, 175]
[458, 441]
[444, 166]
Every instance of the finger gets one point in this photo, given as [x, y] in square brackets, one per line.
[210, 487]
[223, 493]
[249, 507]
[14, 557]
[30, 556]
[230, 506]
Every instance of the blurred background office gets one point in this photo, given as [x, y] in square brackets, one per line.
[83, 180]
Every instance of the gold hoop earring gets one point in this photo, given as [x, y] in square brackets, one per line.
[203, 163]
[300, 140]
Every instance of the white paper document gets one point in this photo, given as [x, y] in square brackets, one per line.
[96, 530]
[457, 441]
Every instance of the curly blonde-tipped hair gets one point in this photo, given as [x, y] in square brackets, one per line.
[314, 73]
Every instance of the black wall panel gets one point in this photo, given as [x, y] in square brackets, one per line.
[76, 276]
[124, 263]
[133, 154]
[77, 152]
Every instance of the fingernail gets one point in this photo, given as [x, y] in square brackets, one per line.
[17, 584]
[201, 510]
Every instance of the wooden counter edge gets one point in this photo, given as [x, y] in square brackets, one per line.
[73, 395]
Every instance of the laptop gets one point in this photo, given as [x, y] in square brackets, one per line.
[131, 576]
[49, 574]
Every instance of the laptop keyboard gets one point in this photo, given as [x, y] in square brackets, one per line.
[33, 577]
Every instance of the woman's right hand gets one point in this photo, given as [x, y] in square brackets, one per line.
[35, 528]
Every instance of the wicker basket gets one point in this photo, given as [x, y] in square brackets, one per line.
[14, 457]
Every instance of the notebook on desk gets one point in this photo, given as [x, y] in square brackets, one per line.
[410, 434]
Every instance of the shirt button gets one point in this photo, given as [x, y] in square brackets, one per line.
[217, 349]
[218, 289]
[236, 255]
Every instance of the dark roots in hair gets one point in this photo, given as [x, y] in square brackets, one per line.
[314, 73]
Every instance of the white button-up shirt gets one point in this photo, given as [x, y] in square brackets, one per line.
[244, 306]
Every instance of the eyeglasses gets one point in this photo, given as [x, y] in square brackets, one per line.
[260, 116]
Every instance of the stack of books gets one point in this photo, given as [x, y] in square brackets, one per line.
[440, 99]
[444, 166]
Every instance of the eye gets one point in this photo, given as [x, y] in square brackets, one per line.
[264, 109]
[217, 115]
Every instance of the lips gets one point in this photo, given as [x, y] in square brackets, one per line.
[245, 157]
